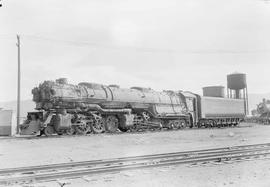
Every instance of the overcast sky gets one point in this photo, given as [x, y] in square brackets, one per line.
[162, 44]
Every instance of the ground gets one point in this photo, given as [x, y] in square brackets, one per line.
[15, 152]
[242, 174]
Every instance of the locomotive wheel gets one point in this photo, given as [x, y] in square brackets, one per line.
[60, 133]
[98, 126]
[125, 129]
[182, 124]
[219, 124]
[211, 123]
[49, 130]
[88, 126]
[70, 131]
[111, 124]
[171, 124]
[176, 124]
[82, 129]
[201, 124]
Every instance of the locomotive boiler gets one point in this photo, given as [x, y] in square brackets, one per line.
[88, 107]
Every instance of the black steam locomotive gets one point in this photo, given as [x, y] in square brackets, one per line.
[64, 108]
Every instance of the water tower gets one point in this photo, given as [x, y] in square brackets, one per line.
[237, 88]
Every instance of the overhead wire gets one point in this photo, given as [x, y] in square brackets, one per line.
[142, 49]
[6, 36]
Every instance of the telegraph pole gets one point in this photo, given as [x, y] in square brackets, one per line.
[18, 84]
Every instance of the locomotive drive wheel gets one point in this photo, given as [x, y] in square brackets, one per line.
[82, 129]
[111, 124]
[49, 130]
[98, 126]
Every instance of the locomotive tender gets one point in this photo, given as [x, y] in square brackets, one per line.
[88, 107]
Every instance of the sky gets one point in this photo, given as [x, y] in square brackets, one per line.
[162, 44]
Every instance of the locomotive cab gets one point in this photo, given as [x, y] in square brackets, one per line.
[192, 106]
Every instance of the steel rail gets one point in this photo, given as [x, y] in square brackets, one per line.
[227, 150]
[88, 171]
[218, 156]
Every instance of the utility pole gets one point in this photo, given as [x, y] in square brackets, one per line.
[18, 84]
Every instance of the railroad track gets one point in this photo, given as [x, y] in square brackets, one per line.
[78, 169]
[121, 133]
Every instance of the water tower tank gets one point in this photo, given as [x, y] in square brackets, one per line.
[237, 88]
[213, 91]
[236, 81]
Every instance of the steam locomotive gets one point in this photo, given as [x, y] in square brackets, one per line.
[64, 108]
[261, 114]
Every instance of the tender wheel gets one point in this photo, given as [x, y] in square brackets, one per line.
[211, 123]
[176, 124]
[98, 126]
[219, 124]
[182, 124]
[49, 130]
[170, 124]
[111, 124]
[201, 124]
